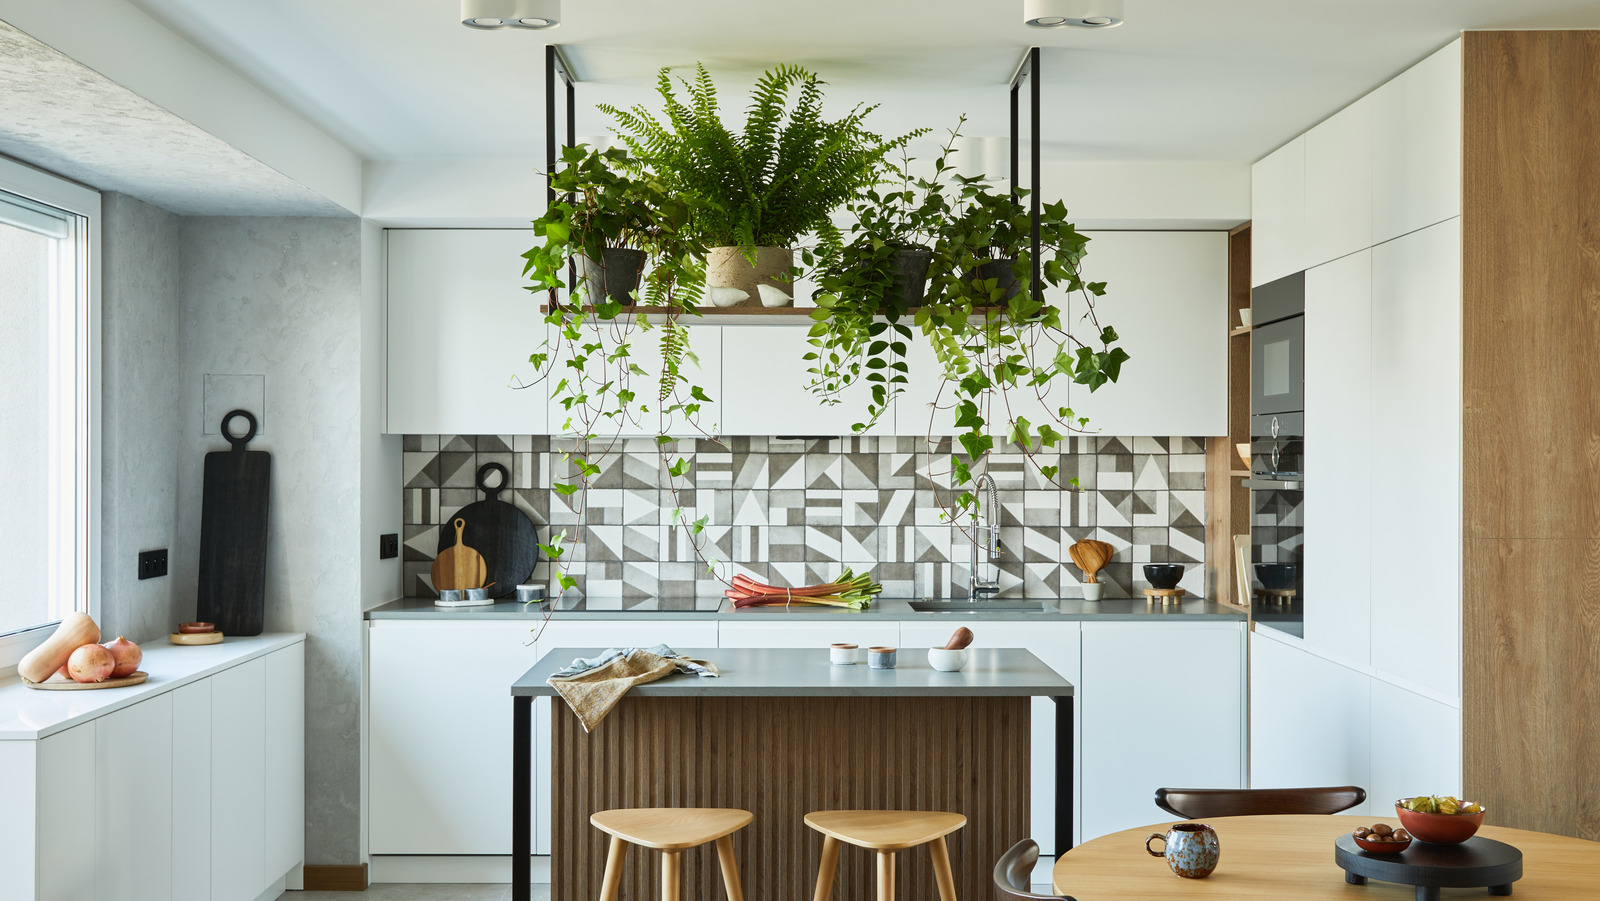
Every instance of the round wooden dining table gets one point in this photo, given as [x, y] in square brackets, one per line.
[1290, 858]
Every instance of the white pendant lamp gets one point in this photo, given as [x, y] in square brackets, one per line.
[1072, 13]
[511, 13]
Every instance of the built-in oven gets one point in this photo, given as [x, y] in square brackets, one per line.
[1278, 347]
[1277, 453]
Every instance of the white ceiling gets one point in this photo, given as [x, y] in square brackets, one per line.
[1183, 79]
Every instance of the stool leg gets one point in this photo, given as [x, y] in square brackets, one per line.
[941, 869]
[613, 877]
[671, 875]
[826, 871]
[885, 876]
[730, 869]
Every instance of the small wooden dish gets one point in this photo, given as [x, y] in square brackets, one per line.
[1381, 847]
[69, 685]
[192, 638]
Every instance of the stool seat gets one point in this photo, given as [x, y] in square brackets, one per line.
[671, 828]
[885, 830]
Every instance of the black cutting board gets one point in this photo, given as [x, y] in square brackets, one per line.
[504, 535]
[233, 535]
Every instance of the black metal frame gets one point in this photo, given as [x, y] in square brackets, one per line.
[556, 65]
[1028, 71]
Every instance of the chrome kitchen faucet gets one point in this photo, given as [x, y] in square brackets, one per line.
[985, 588]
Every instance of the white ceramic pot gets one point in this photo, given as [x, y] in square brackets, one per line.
[947, 661]
[1093, 591]
[728, 267]
[844, 654]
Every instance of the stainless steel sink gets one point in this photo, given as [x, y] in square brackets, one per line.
[994, 606]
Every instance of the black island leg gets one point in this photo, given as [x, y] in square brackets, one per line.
[521, 798]
[1065, 749]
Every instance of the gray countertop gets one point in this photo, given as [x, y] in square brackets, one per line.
[1123, 609]
[806, 673]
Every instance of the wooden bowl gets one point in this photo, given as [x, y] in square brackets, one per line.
[1381, 847]
[1438, 828]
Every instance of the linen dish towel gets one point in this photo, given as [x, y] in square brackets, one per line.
[592, 686]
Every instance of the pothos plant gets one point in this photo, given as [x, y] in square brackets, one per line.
[990, 331]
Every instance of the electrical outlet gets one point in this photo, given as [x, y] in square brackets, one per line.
[152, 564]
[388, 546]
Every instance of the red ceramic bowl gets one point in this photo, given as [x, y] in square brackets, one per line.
[1381, 847]
[1438, 828]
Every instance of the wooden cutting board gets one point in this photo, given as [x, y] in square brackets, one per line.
[233, 534]
[69, 685]
[1090, 555]
[459, 566]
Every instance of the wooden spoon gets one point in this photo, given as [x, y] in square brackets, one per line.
[1091, 556]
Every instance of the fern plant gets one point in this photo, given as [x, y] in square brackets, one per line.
[774, 182]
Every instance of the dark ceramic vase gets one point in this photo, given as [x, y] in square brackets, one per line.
[1001, 272]
[616, 276]
[910, 284]
[1277, 576]
[1163, 575]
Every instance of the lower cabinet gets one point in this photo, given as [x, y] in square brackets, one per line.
[1163, 706]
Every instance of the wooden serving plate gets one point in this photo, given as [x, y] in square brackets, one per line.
[69, 685]
[195, 637]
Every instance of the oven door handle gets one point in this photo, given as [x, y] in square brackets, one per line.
[1275, 484]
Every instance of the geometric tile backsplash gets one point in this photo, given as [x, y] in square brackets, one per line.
[794, 511]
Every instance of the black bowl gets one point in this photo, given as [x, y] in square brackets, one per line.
[1163, 575]
[1278, 576]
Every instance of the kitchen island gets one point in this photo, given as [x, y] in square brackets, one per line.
[781, 733]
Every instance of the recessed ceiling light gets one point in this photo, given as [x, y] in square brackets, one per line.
[511, 13]
[1072, 13]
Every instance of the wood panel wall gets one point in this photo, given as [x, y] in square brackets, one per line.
[781, 758]
[1227, 500]
[1531, 467]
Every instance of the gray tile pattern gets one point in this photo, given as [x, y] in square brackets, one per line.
[798, 510]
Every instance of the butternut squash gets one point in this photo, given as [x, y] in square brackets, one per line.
[75, 631]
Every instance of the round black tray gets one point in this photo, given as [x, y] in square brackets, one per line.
[1475, 863]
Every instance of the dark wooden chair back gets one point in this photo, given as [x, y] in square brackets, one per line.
[1200, 803]
[1013, 871]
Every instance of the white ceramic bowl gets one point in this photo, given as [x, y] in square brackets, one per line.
[946, 661]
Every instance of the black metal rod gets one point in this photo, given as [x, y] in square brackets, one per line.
[1016, 134]
[572, 140]
[521, 798]
[550, 146]
[1033, 180]
[1064, 768]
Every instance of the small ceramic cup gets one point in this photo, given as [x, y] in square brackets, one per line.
[947, 661]
[1191, 849]
[1093, 591]
[844, 654]
[1244, 317]
[881, 658]
[527, 594]
[477, 594]
[450, 595]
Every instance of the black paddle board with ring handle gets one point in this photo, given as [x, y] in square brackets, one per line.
[504, 535]
[233, 534]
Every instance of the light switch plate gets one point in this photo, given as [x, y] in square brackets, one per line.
[224, 393]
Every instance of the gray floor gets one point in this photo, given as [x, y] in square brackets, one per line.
[411, 892]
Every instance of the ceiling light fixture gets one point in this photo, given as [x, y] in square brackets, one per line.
[1072, 13]
[537, 14]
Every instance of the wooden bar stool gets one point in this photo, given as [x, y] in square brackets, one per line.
[671, 830]
[886, 832]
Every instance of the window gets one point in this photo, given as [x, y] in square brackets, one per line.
[49, 403]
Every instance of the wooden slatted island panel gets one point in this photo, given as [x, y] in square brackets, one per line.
[782, 733]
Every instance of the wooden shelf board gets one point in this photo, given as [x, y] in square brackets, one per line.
[717, 311]
[1242, 330]
[1241, 473]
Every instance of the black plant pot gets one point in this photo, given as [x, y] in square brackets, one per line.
[999, 270]
[910, 284]
[616, 276]
[1163, 575]
[1278, 576]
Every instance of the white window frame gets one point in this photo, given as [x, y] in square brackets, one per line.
[37, 185]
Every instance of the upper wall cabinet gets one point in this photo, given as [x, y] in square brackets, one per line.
[460, 329]
[1416, 149]
[765, 387]
[647, 420]
[1278, 211]
[1339, 185]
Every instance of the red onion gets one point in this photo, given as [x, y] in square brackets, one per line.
[127, 656]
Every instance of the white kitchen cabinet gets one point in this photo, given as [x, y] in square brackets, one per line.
[1309, 718]
[1278, 213]
[440, 734]
[191, 811]
[705, 342]
[1339, 184]
[1416, 748]
[765, 383]
[1339, 454]
[1416, 150]
[238, 785]
[1058, 644]
[134, 791]
[791, 634]
[1416, 463]
[1167, 297]
[284, 770]
[460, 328]
[1163, 705]
[67, 869]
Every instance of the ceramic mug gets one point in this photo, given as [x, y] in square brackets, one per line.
[1191, 849]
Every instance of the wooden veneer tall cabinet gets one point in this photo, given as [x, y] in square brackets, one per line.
[1531, 426]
